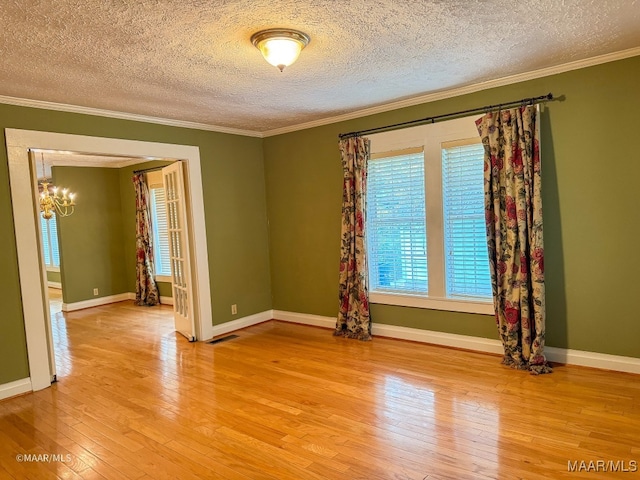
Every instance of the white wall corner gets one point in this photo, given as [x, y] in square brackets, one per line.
[478, 344]
[17, 387]
[242, 322]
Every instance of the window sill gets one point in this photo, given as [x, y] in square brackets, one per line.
[163, 278]
[52, 269]
[449, 304]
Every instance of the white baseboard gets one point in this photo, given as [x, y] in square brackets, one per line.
[593, 359]
[305, 319]
[95, 302]
[18, 387]
[553, 354]
[57, 285]
[242, 323]
[403, 333]
[455, 340]
[163, 300]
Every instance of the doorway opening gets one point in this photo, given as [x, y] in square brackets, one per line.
[31, 271]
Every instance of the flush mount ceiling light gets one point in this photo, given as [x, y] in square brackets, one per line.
[279, 46]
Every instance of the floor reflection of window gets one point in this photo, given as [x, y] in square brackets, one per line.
[433, 424]
[483, 421]
[59, 333]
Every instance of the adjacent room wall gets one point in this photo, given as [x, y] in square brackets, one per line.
[235, 213]
[590, 200]
[91, 240]
[53, 276]
[102, 228]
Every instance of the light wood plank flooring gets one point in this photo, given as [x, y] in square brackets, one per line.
[55, 300]
[137, 401]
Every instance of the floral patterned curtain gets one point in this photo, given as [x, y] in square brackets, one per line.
[353, 315]
[513, 207]
[146, 288]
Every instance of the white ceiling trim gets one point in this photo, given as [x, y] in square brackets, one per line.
[431, 97]
[63, 107]
[455, 92]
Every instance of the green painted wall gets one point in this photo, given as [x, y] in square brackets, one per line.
[13, 347]
[53, 276]
[235, 213]
[115, 271]
[589, 193]
[590, 196]
[91, 241]
[165, 289]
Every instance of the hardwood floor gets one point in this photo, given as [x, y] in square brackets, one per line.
[135, 400]
[55, 300]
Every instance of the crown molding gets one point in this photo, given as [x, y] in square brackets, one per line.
[455, 92]
[408, 102]
[63, 107]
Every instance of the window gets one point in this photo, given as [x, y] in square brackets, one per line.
[161, 258]
[396, 223]
[50, 243]
[465, 241]
[160, 235]
[426, 239]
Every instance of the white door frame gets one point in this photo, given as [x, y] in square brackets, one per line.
[25, 212]
[176, 204]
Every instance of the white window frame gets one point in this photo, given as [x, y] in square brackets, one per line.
[430, 138]
[154, 182]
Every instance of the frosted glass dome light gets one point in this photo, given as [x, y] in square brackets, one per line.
[280, 47]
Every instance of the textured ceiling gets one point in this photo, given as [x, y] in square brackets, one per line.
[192, 60]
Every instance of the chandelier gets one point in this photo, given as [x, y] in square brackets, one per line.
[53, 200]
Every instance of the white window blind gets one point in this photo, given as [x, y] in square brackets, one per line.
[160, 236]
[396, 224]
[50, 241]
[466, 257]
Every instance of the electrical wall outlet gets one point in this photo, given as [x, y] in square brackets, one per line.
[95, 292]
[234, 309]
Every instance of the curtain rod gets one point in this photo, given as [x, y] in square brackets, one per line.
[148, 170]
[436, 118]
